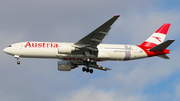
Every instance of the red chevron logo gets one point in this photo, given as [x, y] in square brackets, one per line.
[158, 38]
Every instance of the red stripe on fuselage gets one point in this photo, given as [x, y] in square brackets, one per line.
[154, 53]
[148, 45]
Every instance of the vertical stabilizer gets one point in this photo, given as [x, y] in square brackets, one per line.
[157, 37]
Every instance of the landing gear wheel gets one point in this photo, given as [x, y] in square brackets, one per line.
[87, 70]
[91, 71]
[18, 62]
[84, 69]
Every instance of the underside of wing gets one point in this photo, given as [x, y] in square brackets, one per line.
[96, 66]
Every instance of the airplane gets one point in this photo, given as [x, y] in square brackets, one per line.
[89, 50]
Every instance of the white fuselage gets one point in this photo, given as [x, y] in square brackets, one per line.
[115, 52]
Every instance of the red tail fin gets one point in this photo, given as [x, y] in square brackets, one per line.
[157, 37]
[163, 29]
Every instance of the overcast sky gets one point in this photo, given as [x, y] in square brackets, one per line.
[151, 79]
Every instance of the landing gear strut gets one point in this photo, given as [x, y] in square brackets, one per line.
[88, 61]
[17, 57]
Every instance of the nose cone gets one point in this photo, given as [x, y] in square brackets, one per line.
[7, 50]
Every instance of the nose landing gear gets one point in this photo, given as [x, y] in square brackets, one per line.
[17, 57]
[18, 62]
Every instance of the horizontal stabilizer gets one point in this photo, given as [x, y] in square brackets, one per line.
[162, 46]
[163, 56]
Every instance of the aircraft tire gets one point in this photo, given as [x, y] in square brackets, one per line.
[84, 69]
[18, 62]
[87, 70]
[91, 71]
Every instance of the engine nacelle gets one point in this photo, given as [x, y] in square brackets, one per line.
[65, 48]
[65, 66]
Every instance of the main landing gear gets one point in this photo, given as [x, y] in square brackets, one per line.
[87, 70]
[88, 61]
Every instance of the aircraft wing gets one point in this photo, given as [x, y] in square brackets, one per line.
[95, 37]
[88, 44]
[96, 66]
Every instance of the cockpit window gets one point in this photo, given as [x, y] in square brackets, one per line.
[9, 46]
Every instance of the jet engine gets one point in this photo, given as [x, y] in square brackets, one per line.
[65, 48]
[65, 66]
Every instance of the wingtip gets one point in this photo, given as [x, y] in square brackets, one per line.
[116, 15]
